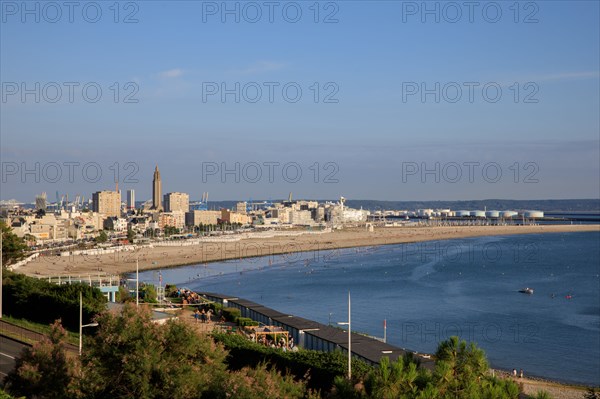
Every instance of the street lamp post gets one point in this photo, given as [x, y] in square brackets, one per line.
[137, 282]
[81, 325]
[384, 330]
[349, 324]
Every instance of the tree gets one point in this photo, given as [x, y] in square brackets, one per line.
[43, 302]
[130, 235]
[460, 372]
[344, 389]
[13, 247]
[123, 295]
[170, 230]
[393, 380]
[259, 382]
[130, 356]
[29, 238]
[102, 237]
[4, 395]
[44, 370]
[459, 367]
[148, 291]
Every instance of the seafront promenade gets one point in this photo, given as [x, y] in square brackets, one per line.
[164, 256]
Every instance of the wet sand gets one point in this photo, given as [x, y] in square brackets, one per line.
[555, 389]
[171, 256]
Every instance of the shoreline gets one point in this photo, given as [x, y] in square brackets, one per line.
[557, 389]
[540, 380]
[174, 254]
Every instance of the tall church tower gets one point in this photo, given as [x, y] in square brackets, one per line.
[156, 191]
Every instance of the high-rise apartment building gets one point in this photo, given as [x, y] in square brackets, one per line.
[130, 199]
[177, 202]
[41, 202]
[107, 202]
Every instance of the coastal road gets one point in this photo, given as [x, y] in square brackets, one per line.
[9, 350]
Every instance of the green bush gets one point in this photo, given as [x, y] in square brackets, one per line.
[4, 395]
[245, 321]
[43, 302]
[170, 291]
[542, 395]
[321, 367]
[148, 293]
[216, 307]
[123, 295]
[231, 314]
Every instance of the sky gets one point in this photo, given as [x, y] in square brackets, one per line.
[388, 100]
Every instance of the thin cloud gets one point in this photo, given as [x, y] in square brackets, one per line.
[569, 75]
[550, 77]
[260, 67]
[171, 73]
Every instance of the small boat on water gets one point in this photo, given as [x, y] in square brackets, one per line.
[526, 290]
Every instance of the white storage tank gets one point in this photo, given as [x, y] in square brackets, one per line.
[492, 214]
[533, 214]
[462, 214]
[508, 214]
[425, 212]
[478, 214]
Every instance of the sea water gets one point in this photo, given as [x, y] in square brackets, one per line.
[429, 291]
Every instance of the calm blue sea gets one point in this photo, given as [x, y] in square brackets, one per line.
[430, 291]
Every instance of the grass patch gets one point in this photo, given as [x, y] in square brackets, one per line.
[18, 338]
[72, 337]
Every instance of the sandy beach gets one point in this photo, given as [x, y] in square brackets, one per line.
[160, 256]
[554, 389]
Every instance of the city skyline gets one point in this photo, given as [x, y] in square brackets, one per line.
[410, 171]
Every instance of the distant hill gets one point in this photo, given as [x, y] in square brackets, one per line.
[567, 205]
[570, 205]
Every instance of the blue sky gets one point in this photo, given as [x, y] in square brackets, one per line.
[545, 143]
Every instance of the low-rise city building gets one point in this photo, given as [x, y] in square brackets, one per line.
[138, 223]
[172, 219]
[227, 216]
[302, 218]
[197, 218]
[115, 224]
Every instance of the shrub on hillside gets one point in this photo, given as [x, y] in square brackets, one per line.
[43, 302]
[231, 314]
